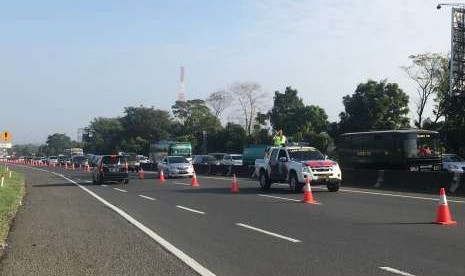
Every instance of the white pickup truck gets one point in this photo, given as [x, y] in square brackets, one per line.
[294, 165]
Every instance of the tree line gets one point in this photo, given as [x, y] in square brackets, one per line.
[374, 105]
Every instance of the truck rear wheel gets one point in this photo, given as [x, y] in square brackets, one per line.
[294, 184]
[264, 181]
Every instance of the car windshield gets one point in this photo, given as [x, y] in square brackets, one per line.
[305, 154]
[114, 159]
[79, 158]
[452, 158]
[176, 160]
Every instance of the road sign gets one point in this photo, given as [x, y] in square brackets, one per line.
[5, 136]
[5, 145]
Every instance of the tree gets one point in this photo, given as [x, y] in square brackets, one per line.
[375, 106]
[142, 125]
[107, 134]
[195, 117]
[219, 102]
[296, 119]
[426, 71]
[57, 142]
[249, 95]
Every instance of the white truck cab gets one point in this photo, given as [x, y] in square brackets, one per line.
[294, 165]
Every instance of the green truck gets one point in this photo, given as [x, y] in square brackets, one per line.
[169, 148]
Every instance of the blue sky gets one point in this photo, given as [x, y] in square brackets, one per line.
[62, 63]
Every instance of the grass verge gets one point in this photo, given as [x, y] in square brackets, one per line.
[10, 197]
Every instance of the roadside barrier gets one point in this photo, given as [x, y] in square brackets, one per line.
[308, 195]
[234, 185]
[443, 213]
[162, 177]
[195, 182]
[141, 173]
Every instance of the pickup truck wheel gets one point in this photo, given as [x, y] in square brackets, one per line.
[264, 181]
[333, 187]
[294, 184]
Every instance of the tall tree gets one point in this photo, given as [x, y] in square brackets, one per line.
[142, 125]
[195, 117]
[250, 97]
[219, 102]
[375, 106]
[107, 134]
[426, 71]
[57, 142]
[290, 114]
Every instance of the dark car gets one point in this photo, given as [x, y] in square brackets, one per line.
[218, 155]
[111, 168]
[79, 161]
[63, 160]
[205, 160]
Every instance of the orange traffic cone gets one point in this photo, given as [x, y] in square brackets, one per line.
[162, 176]
[141, 173]
[195, 182]
[308, 195]
[234, 186]
[88, 168]
[443, 213]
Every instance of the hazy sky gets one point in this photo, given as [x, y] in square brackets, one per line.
[65, 62]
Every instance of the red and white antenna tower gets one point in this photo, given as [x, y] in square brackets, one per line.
[182, 87]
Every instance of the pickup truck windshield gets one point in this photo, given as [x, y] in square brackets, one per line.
[305, 155]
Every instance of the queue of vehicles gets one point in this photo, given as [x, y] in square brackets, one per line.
[414, 150]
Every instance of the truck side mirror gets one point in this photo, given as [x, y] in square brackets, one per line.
[326, 157]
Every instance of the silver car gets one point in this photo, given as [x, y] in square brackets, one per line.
[176, 166]
[453, 163]
[232, 160]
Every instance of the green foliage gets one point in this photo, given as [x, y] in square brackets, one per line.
[230, 139]
[25, 150]
[290, 114]
[56, 143]
[107, 134]
[375, 106]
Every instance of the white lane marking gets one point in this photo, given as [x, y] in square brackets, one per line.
[395, 271]
[395, 195]
[147, 197]
[121, 190]
[278, 197]
[282, 184]
[168, 246]
[103, 185]
[268, 232]
[87, 181]
[179, 183]
[191, 210]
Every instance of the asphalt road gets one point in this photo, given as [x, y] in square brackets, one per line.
[351, 232]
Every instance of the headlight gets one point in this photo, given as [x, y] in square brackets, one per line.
[453, 167]
[306, 169]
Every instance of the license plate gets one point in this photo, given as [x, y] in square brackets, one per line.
[113, 170]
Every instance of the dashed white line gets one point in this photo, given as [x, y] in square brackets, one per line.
[103, 185]
[87, 181]
[278, 197]
[268, 232]
[121, 190]
[147, 197]
[179, 183]
[190, 210]
[396, 271]
[397, 195]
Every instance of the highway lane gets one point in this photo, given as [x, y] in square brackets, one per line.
[350, 233]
